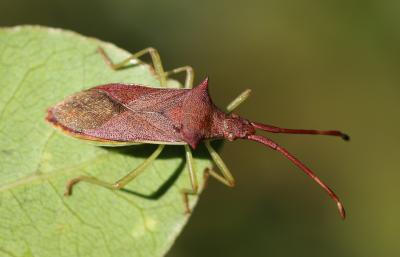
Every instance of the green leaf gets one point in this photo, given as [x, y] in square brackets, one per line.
[38, 68]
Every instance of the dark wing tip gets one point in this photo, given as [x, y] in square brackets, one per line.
[50, 118]
[345, 137]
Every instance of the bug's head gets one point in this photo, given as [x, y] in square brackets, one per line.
[236, 127]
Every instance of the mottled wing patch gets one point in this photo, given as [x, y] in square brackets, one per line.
[84, 110]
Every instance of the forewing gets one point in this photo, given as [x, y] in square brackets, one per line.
[122, 113]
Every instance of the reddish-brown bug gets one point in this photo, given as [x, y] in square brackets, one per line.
[126, 114]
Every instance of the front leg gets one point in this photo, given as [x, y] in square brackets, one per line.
[238, 100]
[226, 177]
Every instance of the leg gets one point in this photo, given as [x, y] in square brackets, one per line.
[193, 180]
[121, 182]
[133, 59]
[226, 177]
[238, 100]
[189, 75]
[268, 142]
[214, 174]
[274, 129]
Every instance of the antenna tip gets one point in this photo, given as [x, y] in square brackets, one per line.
[341, 210]
[345, 137]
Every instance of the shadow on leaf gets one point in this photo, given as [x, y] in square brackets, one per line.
[170, 151]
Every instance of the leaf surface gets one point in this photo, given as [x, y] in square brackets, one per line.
[38, 68]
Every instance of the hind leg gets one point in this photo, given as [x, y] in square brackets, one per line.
[121, 182]
[134, 59]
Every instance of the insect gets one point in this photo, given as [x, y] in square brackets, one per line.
[127, 114]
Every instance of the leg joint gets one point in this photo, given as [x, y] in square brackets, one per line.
[195, 189]
[188, 68]
[116, 186]
[151, 50]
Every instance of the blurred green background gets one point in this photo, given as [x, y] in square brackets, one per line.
[311, 64]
